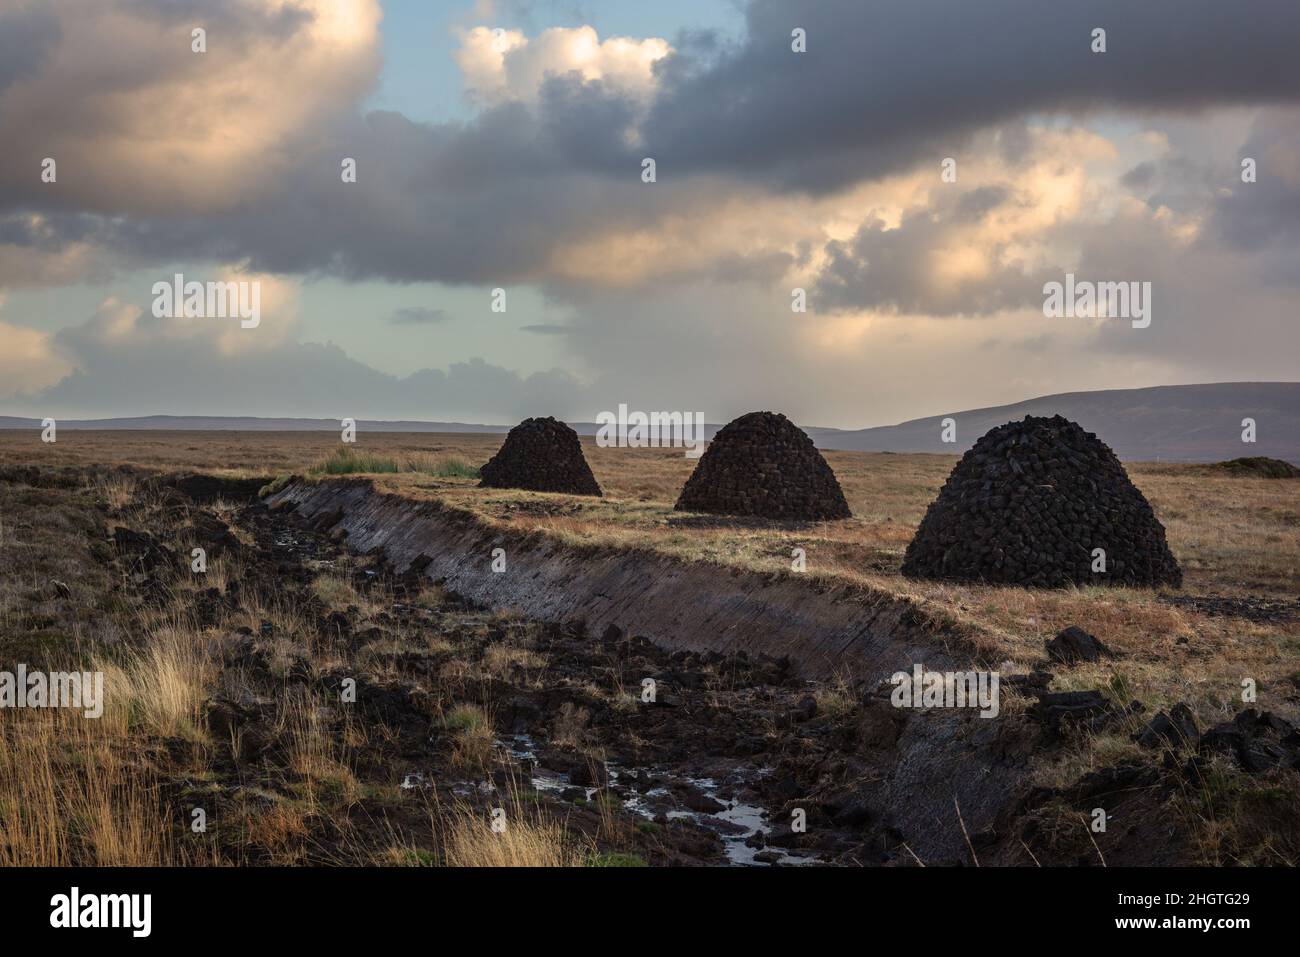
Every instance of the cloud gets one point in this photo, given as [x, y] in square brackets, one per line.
[137, 122]
[887, 82]
[225, 156]
[499, 65]
[28, 361]
[1265, 213]
[418, 316]
[124, 360]
[775, 169]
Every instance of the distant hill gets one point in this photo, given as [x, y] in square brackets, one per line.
[1181, 423]
[247, 423]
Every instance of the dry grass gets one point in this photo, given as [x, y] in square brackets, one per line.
[472, 737]
[161, 689]
[503, 660]
[524, 837]
[73, 792]
[1232, 535]
[84, 791]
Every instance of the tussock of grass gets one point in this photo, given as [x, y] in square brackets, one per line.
[348, 461]
[274, 486]
[472, 738]
[617, 859]
[528, 840]
[163, 689]
[447, 466]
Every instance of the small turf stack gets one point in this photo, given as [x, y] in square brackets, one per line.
[1029, 504]
[764, 465]
[541, 455]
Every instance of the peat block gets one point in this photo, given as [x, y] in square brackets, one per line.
[764, 465]
[1029, 504]
[541, 455]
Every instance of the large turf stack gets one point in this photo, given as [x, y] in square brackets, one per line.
[1027, 506]
[762, 464]
[541, 455]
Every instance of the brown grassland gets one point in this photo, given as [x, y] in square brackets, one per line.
[78, 792]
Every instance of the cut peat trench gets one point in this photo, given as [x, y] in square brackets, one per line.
[929, 763]
[826, 632]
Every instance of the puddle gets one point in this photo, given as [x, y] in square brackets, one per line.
[735, 824]
[415, 781]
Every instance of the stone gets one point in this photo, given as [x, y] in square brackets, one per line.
[1255, 741]
[1073, 644]
[1173, 730]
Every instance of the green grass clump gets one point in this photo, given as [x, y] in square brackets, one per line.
[274, 486]
[465, 717]
[617, 859]
[348, 461]
[451, 466]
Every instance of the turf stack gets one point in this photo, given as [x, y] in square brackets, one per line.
[762, 464]
[1027, 506]
[541, 455]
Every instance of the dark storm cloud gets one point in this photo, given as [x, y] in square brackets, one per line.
[884, 85]
[27, 34]
[885, 81]
[894, 269]
[1265, 213]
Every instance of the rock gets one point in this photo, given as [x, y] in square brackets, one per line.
[1090, 709]
[1173, 730]
[1028, 683]
[701, 802]
[143, 553]
[853, 811]
[1029, 503]
[336, 624]
[806, 709]
[206, 489]
[1074, 644]
[768, 857]
[588, 774]
[783, 835]
[1109, 780]
[541, 455]
[763, 465]
[213, 534]
[1255, 741]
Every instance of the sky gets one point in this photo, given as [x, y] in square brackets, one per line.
[917, 174]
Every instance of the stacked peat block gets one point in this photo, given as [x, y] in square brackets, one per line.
[1027, 506]
[540, 455]
[764, 465]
